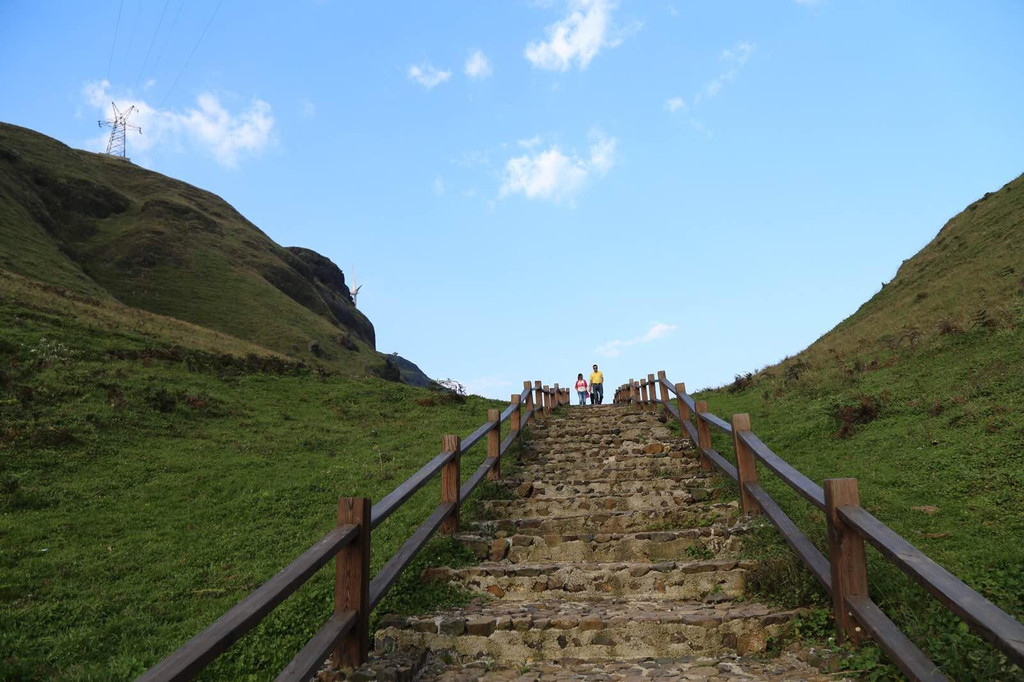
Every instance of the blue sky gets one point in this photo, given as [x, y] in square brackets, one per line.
[527, 188]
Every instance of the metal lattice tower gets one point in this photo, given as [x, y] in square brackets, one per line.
[118, 126]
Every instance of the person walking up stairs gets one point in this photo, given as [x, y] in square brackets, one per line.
[616, 563]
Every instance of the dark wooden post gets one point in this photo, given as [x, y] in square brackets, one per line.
[845, 557]
[663, 387]
[547, 401]
[529, 396]
[746, 466]
[646, 387]
[494, 444]
[557, 396]
[515, 420]
[451, 479]
[539, 398]
[652, 394]
[703, 434]
[632, 391]
[352, 582]
[684, 409]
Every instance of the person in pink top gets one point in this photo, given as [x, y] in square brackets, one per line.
[581, 388]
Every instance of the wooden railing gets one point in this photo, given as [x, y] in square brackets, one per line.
[345, 636]
[843, 573]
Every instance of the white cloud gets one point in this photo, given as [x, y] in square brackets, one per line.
[438, 185]
[492, 386]
[530, 143]
[739, 54]
[658, 330]
[478, 66]
[426, 75]
[577, 37]
[553, 175]
[209, 126]
[675, 104]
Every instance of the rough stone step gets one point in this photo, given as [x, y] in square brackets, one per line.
[578, 467]
[711, 581]
[513, 632]
[617, 521]
[689, 472]
[721, 668]
[696, 486]
[695, 543]
[561, 506]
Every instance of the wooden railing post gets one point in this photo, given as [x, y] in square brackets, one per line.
[494, 444]
[451, 479]
[515, 419]
[547, 401]
[703, 434]
[684, 409]
[632, 391]
[746, 467]
[557, 397]
[845, 557]
[538, 400]
[663, 387]
[352, 582]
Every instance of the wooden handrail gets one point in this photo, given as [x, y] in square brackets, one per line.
[846, 521]
[196, 653]
[984, 617]
[346, 631]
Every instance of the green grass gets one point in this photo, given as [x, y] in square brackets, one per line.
[947, 434]
[144, 492]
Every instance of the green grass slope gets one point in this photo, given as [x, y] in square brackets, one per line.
[154, 472]
[102, 227]
[920, 395]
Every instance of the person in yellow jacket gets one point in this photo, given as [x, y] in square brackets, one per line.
[596, 386]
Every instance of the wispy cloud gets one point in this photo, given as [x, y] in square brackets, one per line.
[308, 108]
[427, 75]
[578, 37]
[478, 66]
[735, 58]
[438, 185]
[675, 104]
[208, 127]
[613, 348]
[492, 386]
[554, 175]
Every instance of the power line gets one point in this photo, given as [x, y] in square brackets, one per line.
[170, 32]
[116, 26]
[198, 42]
[152, 43]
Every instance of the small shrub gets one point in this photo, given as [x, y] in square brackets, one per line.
[742, 382]
[949, 328]
[982, 319]
[936, 409]
[162, 400]
[863, 410]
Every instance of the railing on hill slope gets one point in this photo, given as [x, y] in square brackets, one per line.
[345, 636]
[843, 573]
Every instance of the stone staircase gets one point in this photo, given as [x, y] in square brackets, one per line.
[615, 562]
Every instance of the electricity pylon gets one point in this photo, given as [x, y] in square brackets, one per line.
[119, 124]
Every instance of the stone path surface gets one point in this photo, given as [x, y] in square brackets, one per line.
[616, 562]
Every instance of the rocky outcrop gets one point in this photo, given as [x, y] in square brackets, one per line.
[329, 282]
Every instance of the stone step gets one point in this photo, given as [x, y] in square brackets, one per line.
[679, 518]
[696, 543]
[514, 632]
[554, 489]
[599, 467]
[723, 667]
[561, 506]
[712, 581]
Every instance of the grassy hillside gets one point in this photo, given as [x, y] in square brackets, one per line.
[920, 395]
[153, 472]
[105, 228]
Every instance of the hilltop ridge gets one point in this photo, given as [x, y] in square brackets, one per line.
[101, 227]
